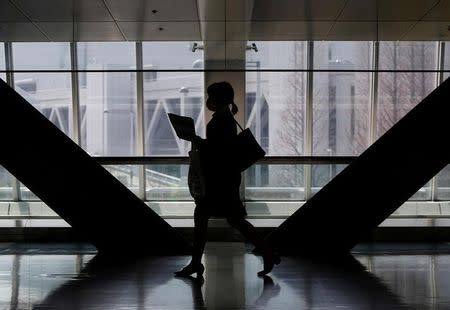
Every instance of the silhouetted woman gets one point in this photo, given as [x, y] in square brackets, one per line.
[222, 180]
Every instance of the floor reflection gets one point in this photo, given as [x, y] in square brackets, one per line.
[86, 281]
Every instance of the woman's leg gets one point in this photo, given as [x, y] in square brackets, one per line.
[200, 230]
[200, 234]
[249, 232]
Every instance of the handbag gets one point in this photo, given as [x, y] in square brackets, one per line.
[248, 150]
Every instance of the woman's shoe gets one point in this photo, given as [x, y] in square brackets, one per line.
[191, 269]
[269, 261]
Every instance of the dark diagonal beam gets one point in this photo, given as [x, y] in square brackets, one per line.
[75, 186]
[374, 185]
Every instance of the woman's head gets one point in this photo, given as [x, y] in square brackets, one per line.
[219, 95]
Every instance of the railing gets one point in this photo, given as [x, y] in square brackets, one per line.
[170, 160]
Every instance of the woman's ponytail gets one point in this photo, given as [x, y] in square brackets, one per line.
[234, 108]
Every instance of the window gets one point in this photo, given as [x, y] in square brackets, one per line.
[108, 99]
[167, 182]
[399, 92]
[274, 183]
[341, 100]
[128, 175]
[50, 93]
[276, 55]
[6, 180]
[275, 101]
[178, 92]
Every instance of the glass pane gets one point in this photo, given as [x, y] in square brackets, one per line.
[41, 56]
[274, 182]
[443, 184]
[399, 92]
[108, 99]
[275, 110]
[6, 180]
[50, 93]
[2, 61]
[171, 92]
[171, 55]
[423, 193]
[128, 175]
[322, 174]
[345, 55]
[403, 55]
[341, 100]
[26, 194]
[167, 182]
[277, 55]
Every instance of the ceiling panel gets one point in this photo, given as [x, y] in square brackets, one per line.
[58, 31]
[296, 10]
[142, 10]
[404, 10]
[161, 31]
[358, 10]
[98, 31]
[9, 13]
[278, 31]
[388, 10]
[366, 31]
[20, 32]
[429, 31]
[64, 10]
[440, 12]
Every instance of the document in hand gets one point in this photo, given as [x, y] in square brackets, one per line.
[183, 125]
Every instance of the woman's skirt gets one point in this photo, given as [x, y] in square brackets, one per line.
[222, 197]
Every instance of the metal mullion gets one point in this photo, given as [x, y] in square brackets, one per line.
[439, 79]
[308, 141]
[374, 92]
[76, 126]
[140, 138]
[10, 80]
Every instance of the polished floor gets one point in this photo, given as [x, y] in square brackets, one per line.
[72, 276]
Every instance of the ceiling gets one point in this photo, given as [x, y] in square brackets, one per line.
[223, 20]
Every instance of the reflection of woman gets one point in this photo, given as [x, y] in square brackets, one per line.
[222, 180]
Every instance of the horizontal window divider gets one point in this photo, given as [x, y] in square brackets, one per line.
[231, 70]
[251, 216]
[278, 160]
